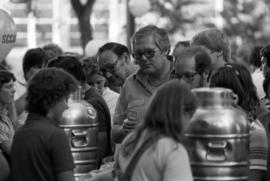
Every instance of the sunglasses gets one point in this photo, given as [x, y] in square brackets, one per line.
[148, 53]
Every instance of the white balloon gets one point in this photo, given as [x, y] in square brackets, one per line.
[139, 7]
[7, 34]
[92, 47]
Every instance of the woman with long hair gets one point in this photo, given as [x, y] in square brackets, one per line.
[237, 78]
[166, 118]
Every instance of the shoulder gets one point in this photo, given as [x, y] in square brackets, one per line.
[168, 145]
[134, 77]
[257, 134]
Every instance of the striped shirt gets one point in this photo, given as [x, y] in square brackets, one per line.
[258, 147]
[6, 126]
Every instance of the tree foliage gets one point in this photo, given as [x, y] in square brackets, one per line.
[245, 19]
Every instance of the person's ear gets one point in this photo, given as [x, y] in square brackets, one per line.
[126, 57]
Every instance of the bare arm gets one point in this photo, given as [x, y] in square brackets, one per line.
[5, 146]
[12, 114]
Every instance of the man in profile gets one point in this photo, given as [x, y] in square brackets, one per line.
[218, 45]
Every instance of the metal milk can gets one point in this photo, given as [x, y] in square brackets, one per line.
[81, 126]
[218, 137]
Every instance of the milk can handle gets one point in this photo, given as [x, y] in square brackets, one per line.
[235, 98]
[79, 138]
[216, 151]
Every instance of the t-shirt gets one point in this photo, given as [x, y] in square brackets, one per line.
[165, 160]
[40, 151]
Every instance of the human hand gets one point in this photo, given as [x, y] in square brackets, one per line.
[129, 125]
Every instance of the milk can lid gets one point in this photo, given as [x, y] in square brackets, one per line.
[214, 94]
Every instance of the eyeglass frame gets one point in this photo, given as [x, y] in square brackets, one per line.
[188, 78]
[139, 53]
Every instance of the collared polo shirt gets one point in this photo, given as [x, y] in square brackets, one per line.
[133, 99]
[40, 151]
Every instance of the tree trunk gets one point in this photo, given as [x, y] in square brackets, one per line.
[85, 29]
[83, 13]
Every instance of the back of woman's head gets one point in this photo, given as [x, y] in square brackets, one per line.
[237, 78]
[168, 109]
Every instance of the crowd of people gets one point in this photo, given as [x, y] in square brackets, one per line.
[143, 101]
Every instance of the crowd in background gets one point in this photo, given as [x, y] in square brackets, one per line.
[141, 97]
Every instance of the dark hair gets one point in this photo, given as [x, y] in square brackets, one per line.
[71, 64]
[5, 77]
[164, 115]
[201, 56]
[255, 56]
[116, 48]
[237, 78]
[215, 40]
[91, 67]
[160, 36]
[52, 50]
[182, 43]
[47, 87]
[265, 52]
[34, 58]
[266, 83]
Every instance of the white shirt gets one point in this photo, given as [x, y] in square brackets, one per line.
[111, 98]
[257, 78]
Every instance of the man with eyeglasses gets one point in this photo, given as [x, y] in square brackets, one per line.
[217, 43]
[193, 65]
[115, 63]
[150, 47]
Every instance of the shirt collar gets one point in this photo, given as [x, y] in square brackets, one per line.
[35, 117]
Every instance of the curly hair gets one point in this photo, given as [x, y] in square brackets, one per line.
[90, 66]
[48, 87]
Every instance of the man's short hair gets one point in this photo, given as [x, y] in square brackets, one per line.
[52, 50]
[160, 36]
[47, 87]
[117, 48]
[71, 64]
[34, 58]
[5, 77]
[201, 56]
[215, 40]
